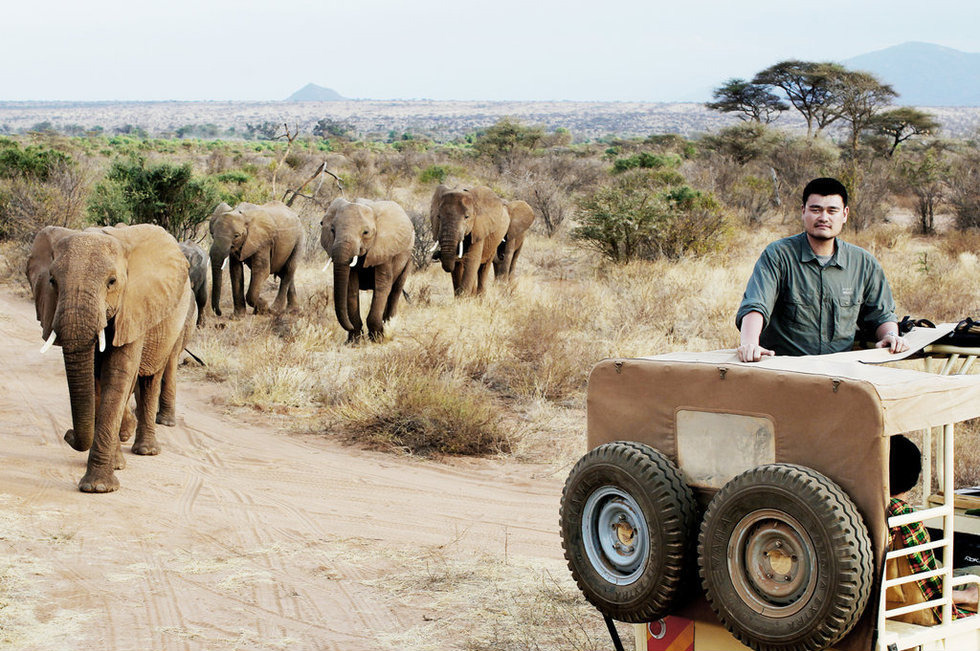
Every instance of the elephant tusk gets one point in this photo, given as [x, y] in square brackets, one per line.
[353, 262]
[50, 342]
[327, 265]
[102, 340]
[224, 265]
[460, 253]
[435, 247]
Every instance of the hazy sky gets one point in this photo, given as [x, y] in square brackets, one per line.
[643, 50]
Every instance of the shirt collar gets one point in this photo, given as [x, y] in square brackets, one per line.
[839, 257]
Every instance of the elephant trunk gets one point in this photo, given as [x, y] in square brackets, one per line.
[342, 255]
[449, 241]
[218, 254]
[80, 369]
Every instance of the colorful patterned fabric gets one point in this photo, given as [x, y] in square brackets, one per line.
[910, 535]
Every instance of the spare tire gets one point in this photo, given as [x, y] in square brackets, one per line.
[785, 559]
[628, 529]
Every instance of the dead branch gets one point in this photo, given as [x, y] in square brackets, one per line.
[320, 172]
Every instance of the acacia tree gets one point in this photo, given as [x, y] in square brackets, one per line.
[752, 102]
[927, 178]
[861, 97]
[902, 123]
[812, 89]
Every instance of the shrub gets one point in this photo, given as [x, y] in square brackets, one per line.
[32, 162]
[436, 174]
[635, 221]
[166, 195]
[646, 160]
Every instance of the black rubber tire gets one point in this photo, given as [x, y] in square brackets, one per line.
[656, 520]
[785, 559]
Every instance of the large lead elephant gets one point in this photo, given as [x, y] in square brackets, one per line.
[469, 224]
[370, 243]
[269, 239]
[118, 301]
[521, 217]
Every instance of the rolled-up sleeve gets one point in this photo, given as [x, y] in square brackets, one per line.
[762, 289]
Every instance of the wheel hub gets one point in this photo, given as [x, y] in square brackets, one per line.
[616, 537]
[770, 561]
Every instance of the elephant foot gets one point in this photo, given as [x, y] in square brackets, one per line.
[238, 314]
[94, 482]
[73, 441]
[128, 426]
[377, 336]
[166, 417]
[146, 445]
[354, 337]
[217, 311]
[120, 461]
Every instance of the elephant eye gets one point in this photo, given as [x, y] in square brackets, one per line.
[331, 230]
[111, 282]
[466, 216]
[365, 232]
[52, 281]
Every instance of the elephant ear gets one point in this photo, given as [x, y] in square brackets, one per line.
[156, 274]
[487, 212]
[260, 228]
[326, 237]
[38, 266]
[395, 233]
[434, 209]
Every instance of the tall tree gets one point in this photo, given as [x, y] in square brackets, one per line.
[753, 102]
[810, 87]
[900, 124]
[861, 96]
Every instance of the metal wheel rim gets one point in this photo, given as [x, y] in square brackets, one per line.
[771, 562]
[615, 535]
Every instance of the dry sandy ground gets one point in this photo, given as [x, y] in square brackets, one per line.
[238, 535]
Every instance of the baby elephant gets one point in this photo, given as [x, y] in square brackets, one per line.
[197, 258]
[370, 243]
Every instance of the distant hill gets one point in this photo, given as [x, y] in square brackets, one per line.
[925, 74]
[314, 93]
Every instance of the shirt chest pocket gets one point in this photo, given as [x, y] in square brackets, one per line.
[846, 313]
[801, 313]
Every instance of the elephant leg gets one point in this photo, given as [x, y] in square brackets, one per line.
[167, 414]
[458, 278]
[354, 305]
[391, 306]
[147, 402]
[201, 298]
[291, 302]
[483, 277]
[237, 272]
[513, 262]
[379, 301]
[128, 424]
[260, 273]
[471, 268]
[117, 387]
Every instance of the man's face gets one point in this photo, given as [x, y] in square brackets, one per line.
[824, 216]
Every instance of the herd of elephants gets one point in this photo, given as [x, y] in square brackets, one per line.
[121, 300]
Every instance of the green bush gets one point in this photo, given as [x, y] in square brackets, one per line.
[646, 160]
[167, 195]
[32, 162]
[438, 173]
[637, 220]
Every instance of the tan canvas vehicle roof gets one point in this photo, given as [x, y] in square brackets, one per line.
[831, 413]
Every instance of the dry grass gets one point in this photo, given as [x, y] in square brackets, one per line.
[488, 603]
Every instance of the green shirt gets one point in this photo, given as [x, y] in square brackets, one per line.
[813, 310]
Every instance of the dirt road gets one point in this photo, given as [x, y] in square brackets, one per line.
[237, 536]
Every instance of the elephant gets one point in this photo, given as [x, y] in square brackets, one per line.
[468, 224]
[521, 217]
[198, 261]
[118, 301]
[370, 243]
[269, 239]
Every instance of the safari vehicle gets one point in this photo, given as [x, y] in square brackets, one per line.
[724, 505]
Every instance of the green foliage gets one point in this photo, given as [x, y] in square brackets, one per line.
[330, 128]
[33, 162]
[637, 219]
[439, 173]
[646, 160]
[234, 176]
[505, 139]
[755, 102]
[165, 194]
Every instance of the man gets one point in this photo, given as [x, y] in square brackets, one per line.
[809, 293]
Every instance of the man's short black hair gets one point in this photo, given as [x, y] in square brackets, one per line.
[825, 187]
[904, 465]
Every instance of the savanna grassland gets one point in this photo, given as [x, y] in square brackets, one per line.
[640, 246]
